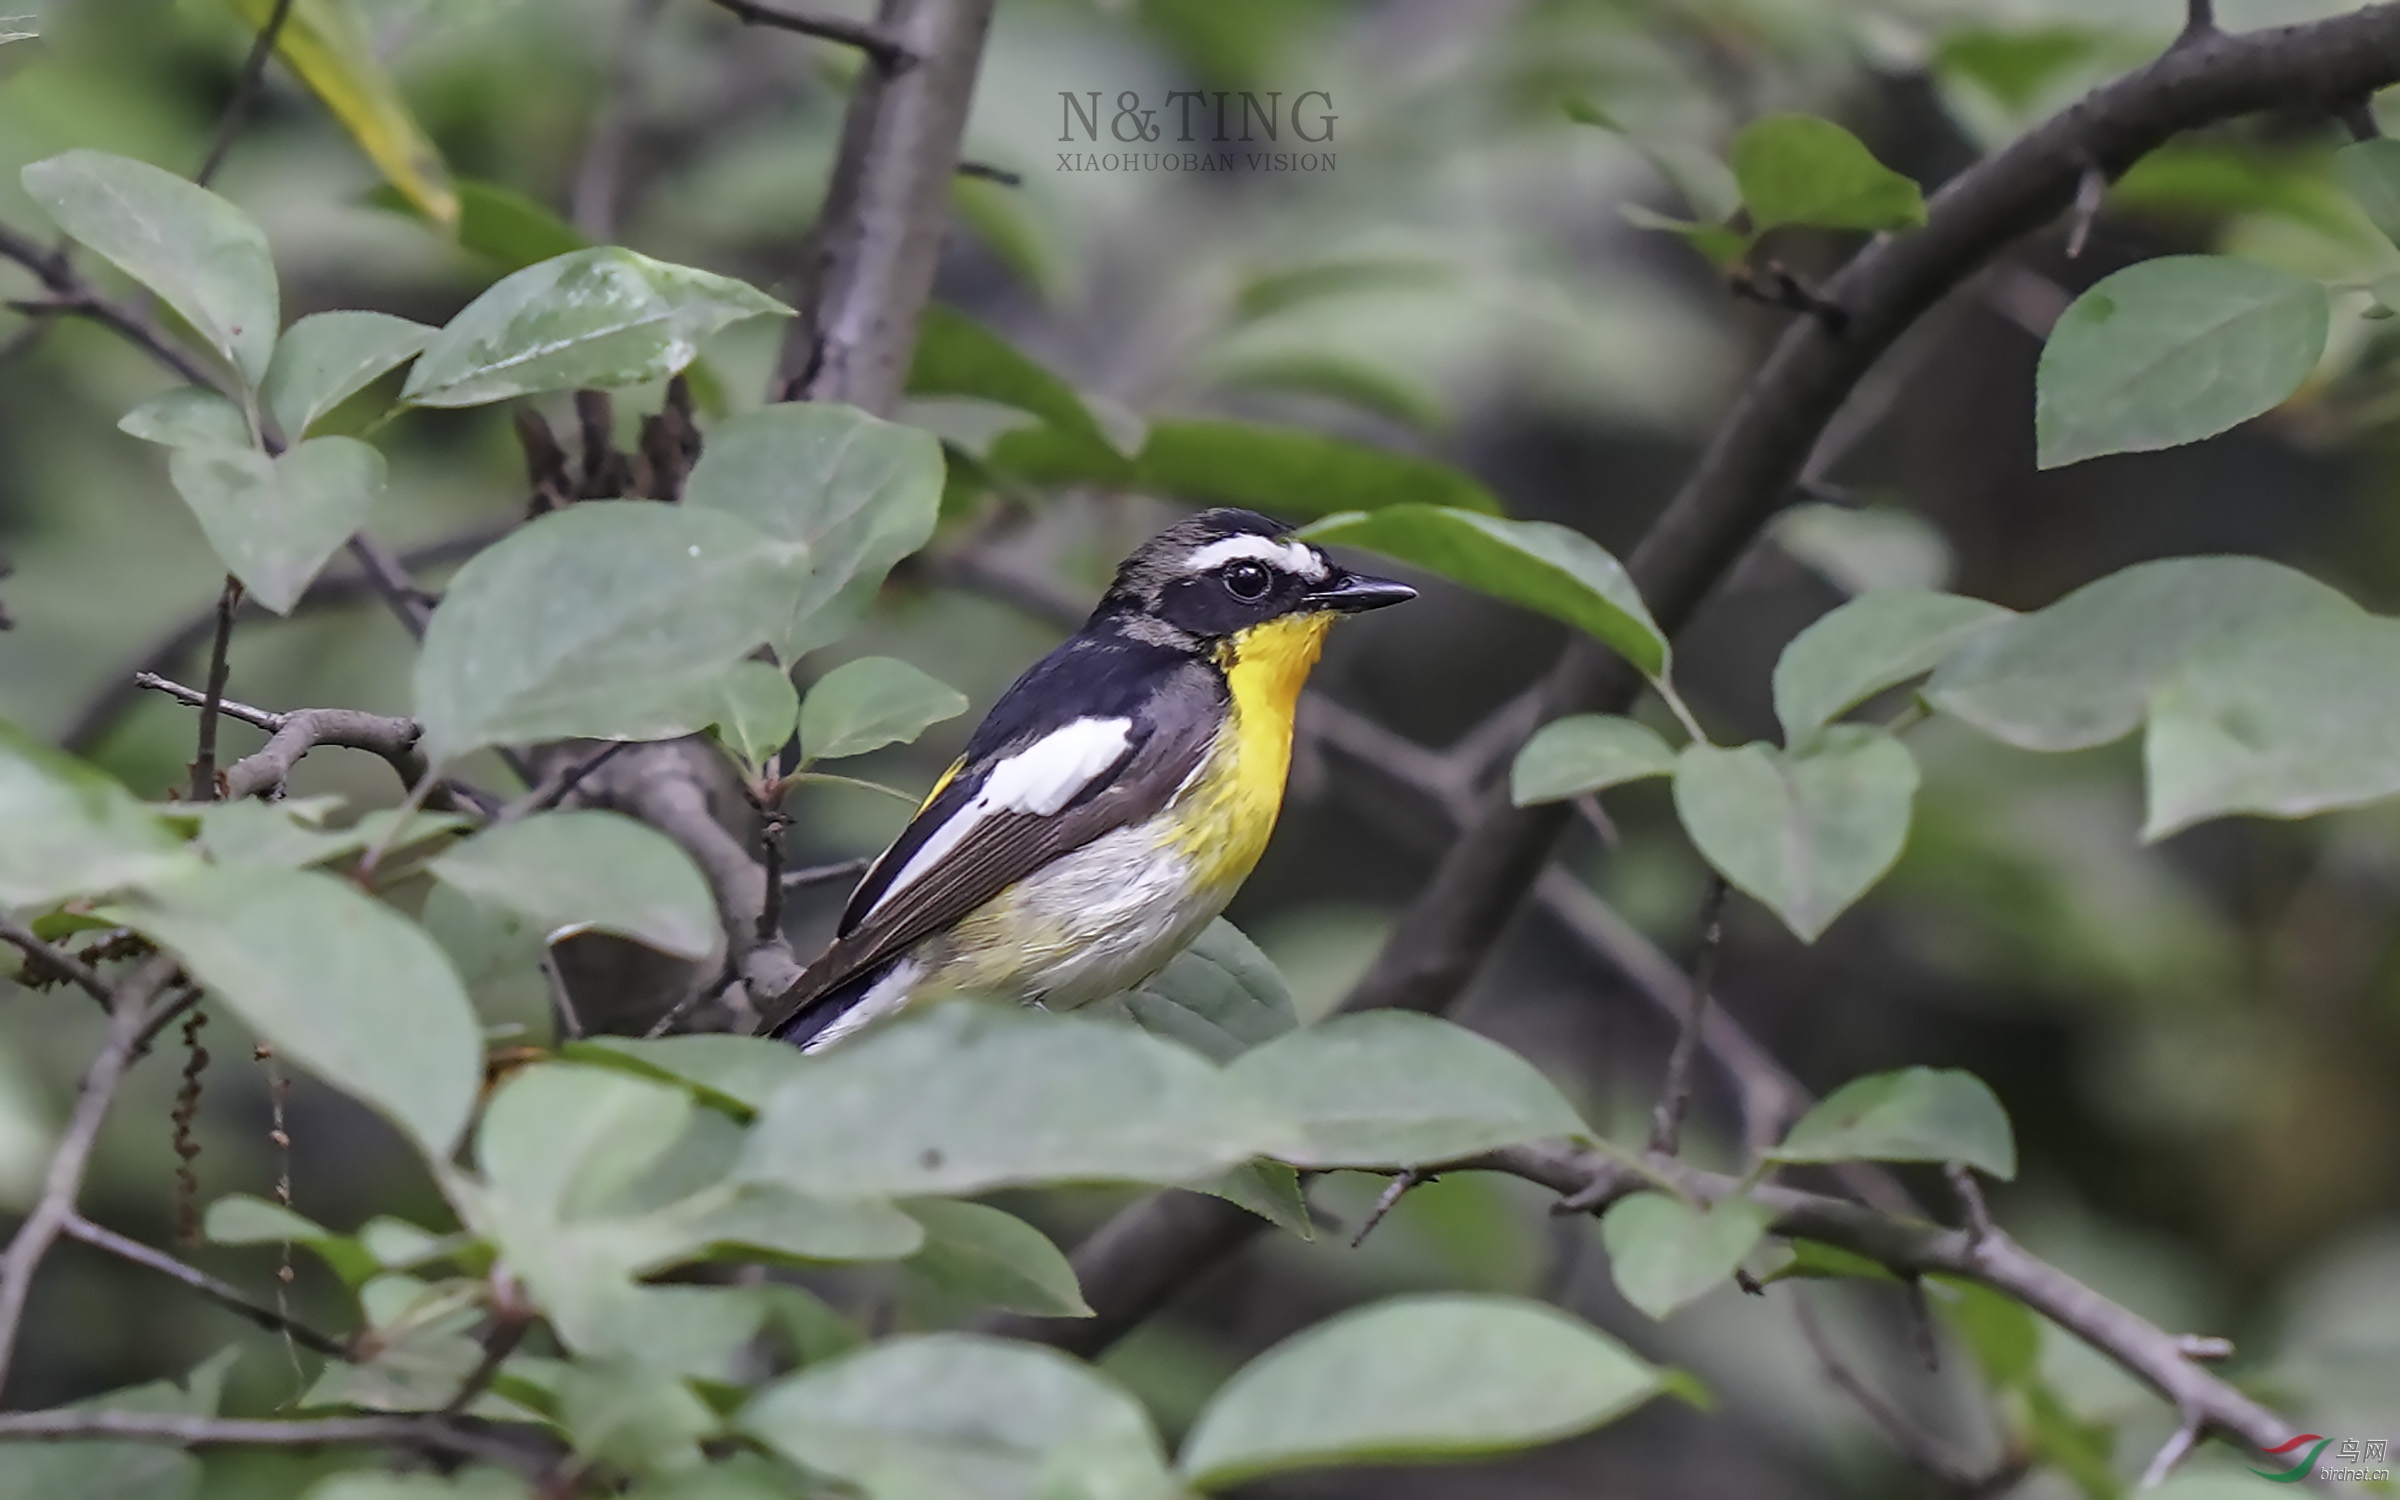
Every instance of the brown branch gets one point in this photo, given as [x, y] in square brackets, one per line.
[204, 757]
[871, 260]
[890, 53]
[44, 960]
[245, 92]
[129, 1011]
[72, 296]
[600, 175]
[430, 1433]
[292, 735]
[1675, 1098]
[223, 1293]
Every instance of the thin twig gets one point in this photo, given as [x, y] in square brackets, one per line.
[204, 758]
[2091, 192]
[245, 92]
[431, 1433]
[889, 52]
[223, 1293]
[511, 1318]
[1915, 1444]
[570, 1023]
[71, 295]
[600, 175]
[1970, 1197]
[129, 1011]
[2177, 1448]
[256, 718]
[46, 960]
[1390, 1199]
[1675, 1099]
[555, 786]
[840, 869]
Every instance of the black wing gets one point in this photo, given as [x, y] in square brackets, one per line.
[1056, 735]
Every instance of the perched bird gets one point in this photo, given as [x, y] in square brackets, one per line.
[1112, 801]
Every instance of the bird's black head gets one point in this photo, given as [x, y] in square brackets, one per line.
[1216, 574]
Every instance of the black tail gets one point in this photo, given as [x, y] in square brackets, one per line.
[803, 1026]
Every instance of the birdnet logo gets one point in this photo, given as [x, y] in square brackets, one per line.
[2360, 1460]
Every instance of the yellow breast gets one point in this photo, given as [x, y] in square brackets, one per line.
[1234, 800]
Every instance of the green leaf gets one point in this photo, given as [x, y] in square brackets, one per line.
[1586, 753]
[733, 1073]
[1292, 472]
[590, 871]
[600, 318]
[2085, 1451]
[1667, 1254]
[1721, 244]
[1915, 1114]
[189, 416]
[756, 711]
[1538, 564]
[995, 1259]
[869, 703]
[203, 257]
[2081, 672]
[2171, 351]
[1873, 547]
[324, 43]
[1805, 833]
[1391, 1089]
[71, 830]
[326, 358]
[239, 1219]
[952, 1415]
[470, 1484]
[2293, 718]
[607, 621]
[1446, 1376]
[957, 356]
[1798, 169]
[287, 834]
[2371, 171]
[631, 1417]
[499, 223]
[1219, 997]
[1268, 1189]
[857, 492]
[275, 521]
[1876, 641]
[338, 982]
[2003, 1332]
[121, 1470]
[972, 1096]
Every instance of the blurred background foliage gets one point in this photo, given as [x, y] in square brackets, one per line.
[2199, 1042]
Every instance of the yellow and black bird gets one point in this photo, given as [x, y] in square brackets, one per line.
[1112, 801]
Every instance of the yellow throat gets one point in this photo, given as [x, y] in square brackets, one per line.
[1239, 794]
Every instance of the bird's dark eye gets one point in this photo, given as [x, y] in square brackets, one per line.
[1247, 581]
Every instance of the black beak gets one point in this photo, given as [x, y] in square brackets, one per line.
[1353, 592]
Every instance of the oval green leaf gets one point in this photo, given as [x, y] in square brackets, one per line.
[1586, 753]
[326, 358]
[189, 416]
[1876, 641]
[72, 831]
[1220, 997]
[972, 1096]
[1445, 1376]
[203, 257]
[756, 711]
[955, 1414]
[869, 703]
[599, 319]
[1666, 1253]
[1805, 834]
[2080, 672]
[1915, 1114]
[1392, 1089]
[1538, 564]
[590, 871]
[1798, 169]
[994, 1259]
[340, 983]
[2294, 718]
[611, 621]
[2172, 351]
[857, 492]
[274, 522]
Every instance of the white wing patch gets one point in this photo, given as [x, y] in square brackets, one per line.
[1040, 779]
[1297, 558]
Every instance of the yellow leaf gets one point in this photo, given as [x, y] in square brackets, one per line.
[323, 42]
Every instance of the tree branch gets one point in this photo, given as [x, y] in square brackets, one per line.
[223, 1293]
[871, 260]
[49, 960]
[129, 1011]
[245, 92]
[879, 42]
[292, 735]
[73, 296]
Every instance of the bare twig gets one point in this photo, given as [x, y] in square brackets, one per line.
[2174, 1451]
[511, 1318]
[204, 758]
[1675, 1099]
[1918, 1446]
[2199, 21]
[1397, 1189]
[840, 869]
[431, 1433]
[72, 296]
[245, 92]
[388, 576]
[557, 783]
[600, 175]
[129, 1010]
[2091, 191]
[45, 960]
[1970, 1197]
[890, 53]
[223, 1293]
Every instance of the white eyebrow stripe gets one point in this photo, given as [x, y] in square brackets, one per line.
[1292, 557]
[1041, 779]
